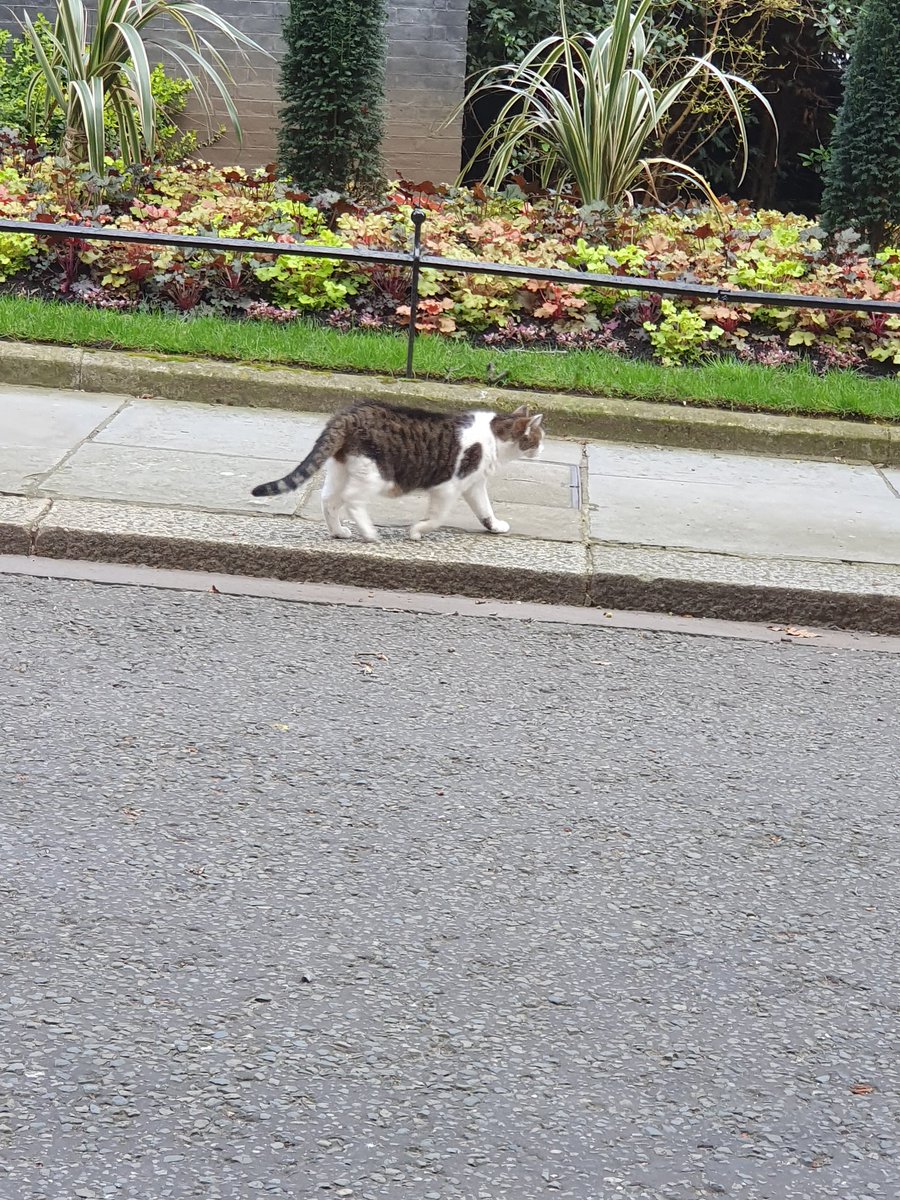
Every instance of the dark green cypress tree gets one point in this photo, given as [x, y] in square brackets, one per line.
[332, 88]
[862, 178]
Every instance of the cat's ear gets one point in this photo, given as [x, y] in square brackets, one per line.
[535, 422]
[521, 411]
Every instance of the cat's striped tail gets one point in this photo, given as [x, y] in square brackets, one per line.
[327, 444]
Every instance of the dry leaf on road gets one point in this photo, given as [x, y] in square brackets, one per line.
[365, 660]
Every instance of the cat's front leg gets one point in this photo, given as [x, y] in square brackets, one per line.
[479, 501]
[440, 501]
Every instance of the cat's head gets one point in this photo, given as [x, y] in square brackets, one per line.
[520, 434]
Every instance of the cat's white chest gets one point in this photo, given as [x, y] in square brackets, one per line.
[479, 433]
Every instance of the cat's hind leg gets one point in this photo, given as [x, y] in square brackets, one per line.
[333, 499]
[364, 483]
[440, 501]
[479, 501]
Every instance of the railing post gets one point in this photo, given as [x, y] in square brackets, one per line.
[418, 219]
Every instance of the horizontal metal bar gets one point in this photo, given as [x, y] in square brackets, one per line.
[109, 233]
[664, 287]
[660, 287]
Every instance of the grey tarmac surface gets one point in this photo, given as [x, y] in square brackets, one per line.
[325, 902]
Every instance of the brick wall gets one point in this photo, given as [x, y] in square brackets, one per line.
[255, 89]
[424, 83]
[426, 67]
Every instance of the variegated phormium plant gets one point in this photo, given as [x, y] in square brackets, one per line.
[88, 68]
[586, 109]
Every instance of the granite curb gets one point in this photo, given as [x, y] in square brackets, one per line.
[862, 597]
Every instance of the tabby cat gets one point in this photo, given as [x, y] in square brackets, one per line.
[373, 449]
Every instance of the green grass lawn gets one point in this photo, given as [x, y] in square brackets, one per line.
[715, 384]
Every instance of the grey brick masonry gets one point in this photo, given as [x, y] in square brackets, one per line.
[425, 82]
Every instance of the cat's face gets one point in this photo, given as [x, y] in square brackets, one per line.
[531, 440]
[522, 433]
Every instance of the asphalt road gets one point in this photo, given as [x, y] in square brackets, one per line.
[311, 902]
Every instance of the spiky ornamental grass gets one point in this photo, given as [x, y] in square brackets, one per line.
[582, 110]
[88, 68]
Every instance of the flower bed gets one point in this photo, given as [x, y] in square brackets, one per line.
[740, 248]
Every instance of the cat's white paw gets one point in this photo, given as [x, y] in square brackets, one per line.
[415, 535]
[370, 537]
[499, 527]
[342, 532]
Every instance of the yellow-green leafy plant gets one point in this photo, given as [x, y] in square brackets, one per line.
[887, 348]
[89, 69]
[680, 335]
[16, 252]
[585, 110]
[310, 283]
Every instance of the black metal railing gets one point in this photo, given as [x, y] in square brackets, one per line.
[416, 261]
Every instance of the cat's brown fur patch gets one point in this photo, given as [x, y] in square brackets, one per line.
[470, 461]
[413, 448]
[517, 428]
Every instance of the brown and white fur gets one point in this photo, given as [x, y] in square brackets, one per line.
[373, 449]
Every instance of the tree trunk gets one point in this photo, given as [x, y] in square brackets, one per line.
[74, 145]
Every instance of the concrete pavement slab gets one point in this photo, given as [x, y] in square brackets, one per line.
[55, 420]
[21, 470]
[698, 466]
[208, 429]
[168, 484]
[544, 482]
[738, 504]
[892, 477]
[211, 429]
[556, 450]
[294, 390]
[169, 477]
[859, 522]
[39, 427]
